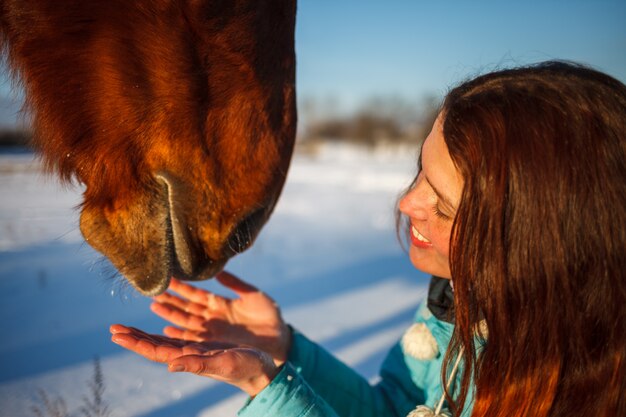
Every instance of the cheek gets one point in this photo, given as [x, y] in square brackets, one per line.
[440, 238]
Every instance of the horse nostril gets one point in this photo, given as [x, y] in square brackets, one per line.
[244, 234]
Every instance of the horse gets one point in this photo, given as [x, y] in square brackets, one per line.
[177, 116]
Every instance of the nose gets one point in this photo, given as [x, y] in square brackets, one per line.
[415, 202]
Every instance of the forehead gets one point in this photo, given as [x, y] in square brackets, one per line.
[438, 166]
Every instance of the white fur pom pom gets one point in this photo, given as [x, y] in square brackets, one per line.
[482, 329]
[419, 342]
[424, 411]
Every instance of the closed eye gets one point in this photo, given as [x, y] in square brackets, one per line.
[440, 214]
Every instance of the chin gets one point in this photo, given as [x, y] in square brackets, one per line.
[430, 267]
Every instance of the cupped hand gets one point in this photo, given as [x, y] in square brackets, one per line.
[252, 319]
[247, 368]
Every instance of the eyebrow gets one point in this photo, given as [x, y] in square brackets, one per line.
[440, 196]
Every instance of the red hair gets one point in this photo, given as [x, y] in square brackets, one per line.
[538, 246]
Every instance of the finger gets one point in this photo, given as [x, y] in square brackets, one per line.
[235, 284]
[197, 295]
[223, 364]
[214, 331]
[204, 338]
[147, 348]
[217, 305]
[248, 369]
[177, 316]
[197, 364]
[212, 303]
[206, 348]
[185, 305]
[118, 329]
[182, 334]
[169, 298]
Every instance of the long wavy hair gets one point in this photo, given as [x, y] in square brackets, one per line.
[538, 247]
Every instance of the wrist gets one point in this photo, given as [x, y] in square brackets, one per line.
[258, 384]
[285, 341]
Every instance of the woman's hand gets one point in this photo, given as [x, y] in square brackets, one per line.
[253, 319]
[247, 368]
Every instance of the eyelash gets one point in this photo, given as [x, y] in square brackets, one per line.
[439, 213]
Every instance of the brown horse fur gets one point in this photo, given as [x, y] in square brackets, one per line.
[178, 116]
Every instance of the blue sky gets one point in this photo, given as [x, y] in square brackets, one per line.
[352, 50]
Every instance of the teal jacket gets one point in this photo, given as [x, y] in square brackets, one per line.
[313, 383]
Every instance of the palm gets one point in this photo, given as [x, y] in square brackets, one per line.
[245, 367]
[252, 319]
[254, 309]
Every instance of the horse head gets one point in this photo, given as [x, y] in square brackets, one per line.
[177, 116]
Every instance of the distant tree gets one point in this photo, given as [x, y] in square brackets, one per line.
[14, 137]
[429, 112]
[380, 119]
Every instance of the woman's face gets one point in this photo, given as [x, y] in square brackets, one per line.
[431, 206]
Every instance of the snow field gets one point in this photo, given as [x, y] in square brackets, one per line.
[329, 256]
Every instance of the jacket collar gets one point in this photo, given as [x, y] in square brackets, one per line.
[441, 299]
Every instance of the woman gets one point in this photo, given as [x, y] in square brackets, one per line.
[521, 201]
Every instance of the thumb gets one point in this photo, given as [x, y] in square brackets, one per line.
[234, 283]
[247, 369]
[204, 365]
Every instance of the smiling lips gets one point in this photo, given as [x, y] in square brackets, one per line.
[418, 240]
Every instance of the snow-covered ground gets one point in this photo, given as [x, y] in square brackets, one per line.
[329, 256]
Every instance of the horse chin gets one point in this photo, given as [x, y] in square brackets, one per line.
[187, 255]
[149, 239]
[145, 242]
[207, 273]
